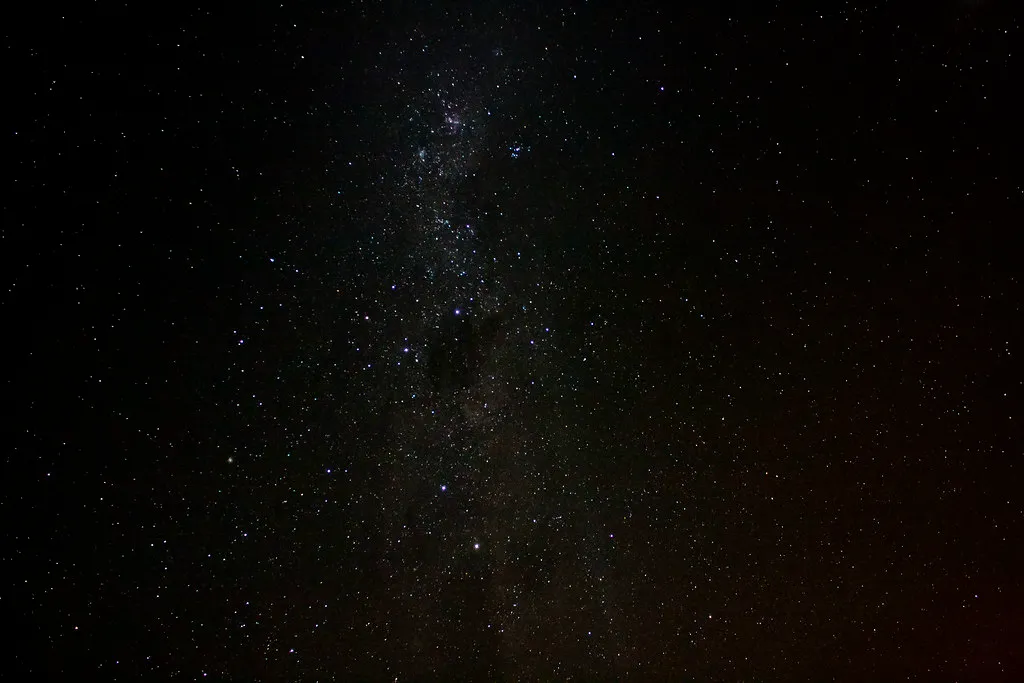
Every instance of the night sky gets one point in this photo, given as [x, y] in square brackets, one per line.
[514, 341]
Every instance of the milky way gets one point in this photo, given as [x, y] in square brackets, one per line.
[459, 336]
[513, 341]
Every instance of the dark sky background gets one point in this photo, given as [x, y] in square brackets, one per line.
[514, 341]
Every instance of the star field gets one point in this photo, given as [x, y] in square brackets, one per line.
[476, 341]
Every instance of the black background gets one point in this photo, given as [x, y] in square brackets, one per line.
[741, 296]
